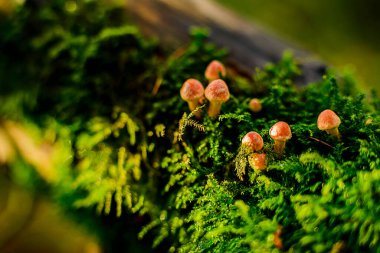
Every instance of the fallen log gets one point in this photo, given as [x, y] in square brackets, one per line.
[249, 45]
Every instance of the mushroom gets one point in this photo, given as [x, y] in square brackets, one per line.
[252, 142]
[192, 91]
[215, 70]
[328, 121]
[280, 133]
[255, 105]
[277, 241]
[217, 93]
[257, 161]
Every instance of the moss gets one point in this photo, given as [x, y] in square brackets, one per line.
[134, 164]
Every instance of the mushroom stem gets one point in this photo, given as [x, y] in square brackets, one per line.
[214, 109]
[334, 132]
[193, 104]
[279, 147]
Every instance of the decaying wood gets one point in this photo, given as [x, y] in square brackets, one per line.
[249, 46]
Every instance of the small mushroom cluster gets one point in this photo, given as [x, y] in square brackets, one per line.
[253, 144]
[216, 92]
[280, 132]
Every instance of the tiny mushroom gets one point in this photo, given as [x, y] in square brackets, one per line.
[277, 241]
[257, 161]
[217, 93]
[280, 133]
[252, 142]
[215, 70]
[255, 105]
[328, 121]
[192, 91]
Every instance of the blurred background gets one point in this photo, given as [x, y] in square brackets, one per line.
[344, 33]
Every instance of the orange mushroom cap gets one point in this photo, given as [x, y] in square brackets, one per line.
[217, 91]
[280, 131]
[328, 120]
[253, 140]
[255, 105]
[215, 70]
[191, 90]
[258, 161]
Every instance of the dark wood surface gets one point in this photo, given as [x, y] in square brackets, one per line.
[249, 45]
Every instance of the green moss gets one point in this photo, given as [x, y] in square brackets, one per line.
[134, 164]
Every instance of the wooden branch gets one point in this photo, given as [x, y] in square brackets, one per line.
[248, 44]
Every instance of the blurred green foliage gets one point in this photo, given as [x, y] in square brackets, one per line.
[141, 173]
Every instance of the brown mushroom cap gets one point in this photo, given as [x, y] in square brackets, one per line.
[217, 91]
[191, 90]
[328, 120]
[255, 105]
[280, 131]
[253, 140]
[214, 70]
